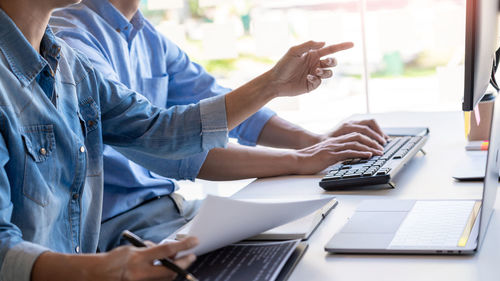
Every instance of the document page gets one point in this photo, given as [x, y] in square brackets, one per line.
[261, 261]
[222, 221]
[297, 229]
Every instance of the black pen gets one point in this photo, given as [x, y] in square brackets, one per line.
[138, 242]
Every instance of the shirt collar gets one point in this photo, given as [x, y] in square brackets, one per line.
[50, 49]
[24, 61]
[115, 18]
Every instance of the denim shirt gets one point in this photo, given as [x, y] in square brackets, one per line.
[56, 112]
[138, 56]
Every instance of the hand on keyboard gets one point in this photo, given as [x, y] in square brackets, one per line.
[318, 157]
[368, 127]
[377, 169]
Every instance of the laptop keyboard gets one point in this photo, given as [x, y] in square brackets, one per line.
[433, 223]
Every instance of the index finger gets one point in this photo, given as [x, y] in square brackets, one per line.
[171, 249]
[335, 48]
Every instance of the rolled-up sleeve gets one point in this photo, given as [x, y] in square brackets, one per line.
[249, 131]
[19, 261]
[214, 122]
[184, 169]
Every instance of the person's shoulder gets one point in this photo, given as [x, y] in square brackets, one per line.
[74, 21]
[76, 26]
[75, 65]
[71, 17]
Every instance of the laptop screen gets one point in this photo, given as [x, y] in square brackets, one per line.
[492, 174]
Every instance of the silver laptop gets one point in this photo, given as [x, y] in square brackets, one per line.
[424, 226]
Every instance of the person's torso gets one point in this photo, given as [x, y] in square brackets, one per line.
[55, 156]
[138, 57]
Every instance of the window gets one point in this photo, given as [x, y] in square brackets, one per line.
[414, 49]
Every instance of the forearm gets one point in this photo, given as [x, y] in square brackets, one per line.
[241, 162]
[59, 267]
[248, 99]
[283, 134]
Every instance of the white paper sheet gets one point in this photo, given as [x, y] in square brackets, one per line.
[297, 229]
[222, 221]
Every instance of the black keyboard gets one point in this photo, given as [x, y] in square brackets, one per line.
[375, 170]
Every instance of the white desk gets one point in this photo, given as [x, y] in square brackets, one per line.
[425, 177]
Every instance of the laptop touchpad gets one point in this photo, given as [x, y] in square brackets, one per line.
[374, 222]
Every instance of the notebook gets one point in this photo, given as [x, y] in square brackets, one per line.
[257, 261]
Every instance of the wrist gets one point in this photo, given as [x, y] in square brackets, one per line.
[271, 86]
[294, 161]
[307, 139]
[56, 266]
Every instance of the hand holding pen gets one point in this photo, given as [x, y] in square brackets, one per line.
[166, 262]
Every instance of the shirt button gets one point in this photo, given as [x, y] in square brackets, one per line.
[77, 249]
[91, 123]
[82, 149]
[75, 196]
[43, 151]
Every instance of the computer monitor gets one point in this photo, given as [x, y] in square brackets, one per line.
[480, 46]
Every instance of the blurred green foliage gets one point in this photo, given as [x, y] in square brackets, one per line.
[224, 67]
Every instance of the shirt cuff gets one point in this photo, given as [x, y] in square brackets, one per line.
[190, 167]
[19, 261]
[249, 131]
[185, 169]
[214, 130]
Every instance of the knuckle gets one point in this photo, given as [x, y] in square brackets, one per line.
[168, 250]
[364, 128]
[351, 135]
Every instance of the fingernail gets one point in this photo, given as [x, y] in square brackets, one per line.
[311, 78]
[332, 62]
[319, 71]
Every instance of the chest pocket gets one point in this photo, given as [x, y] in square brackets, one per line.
[39, 176]
[90, 119]
[156, 90]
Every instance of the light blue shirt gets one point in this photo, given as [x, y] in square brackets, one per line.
[135, 54]
[56, 112]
